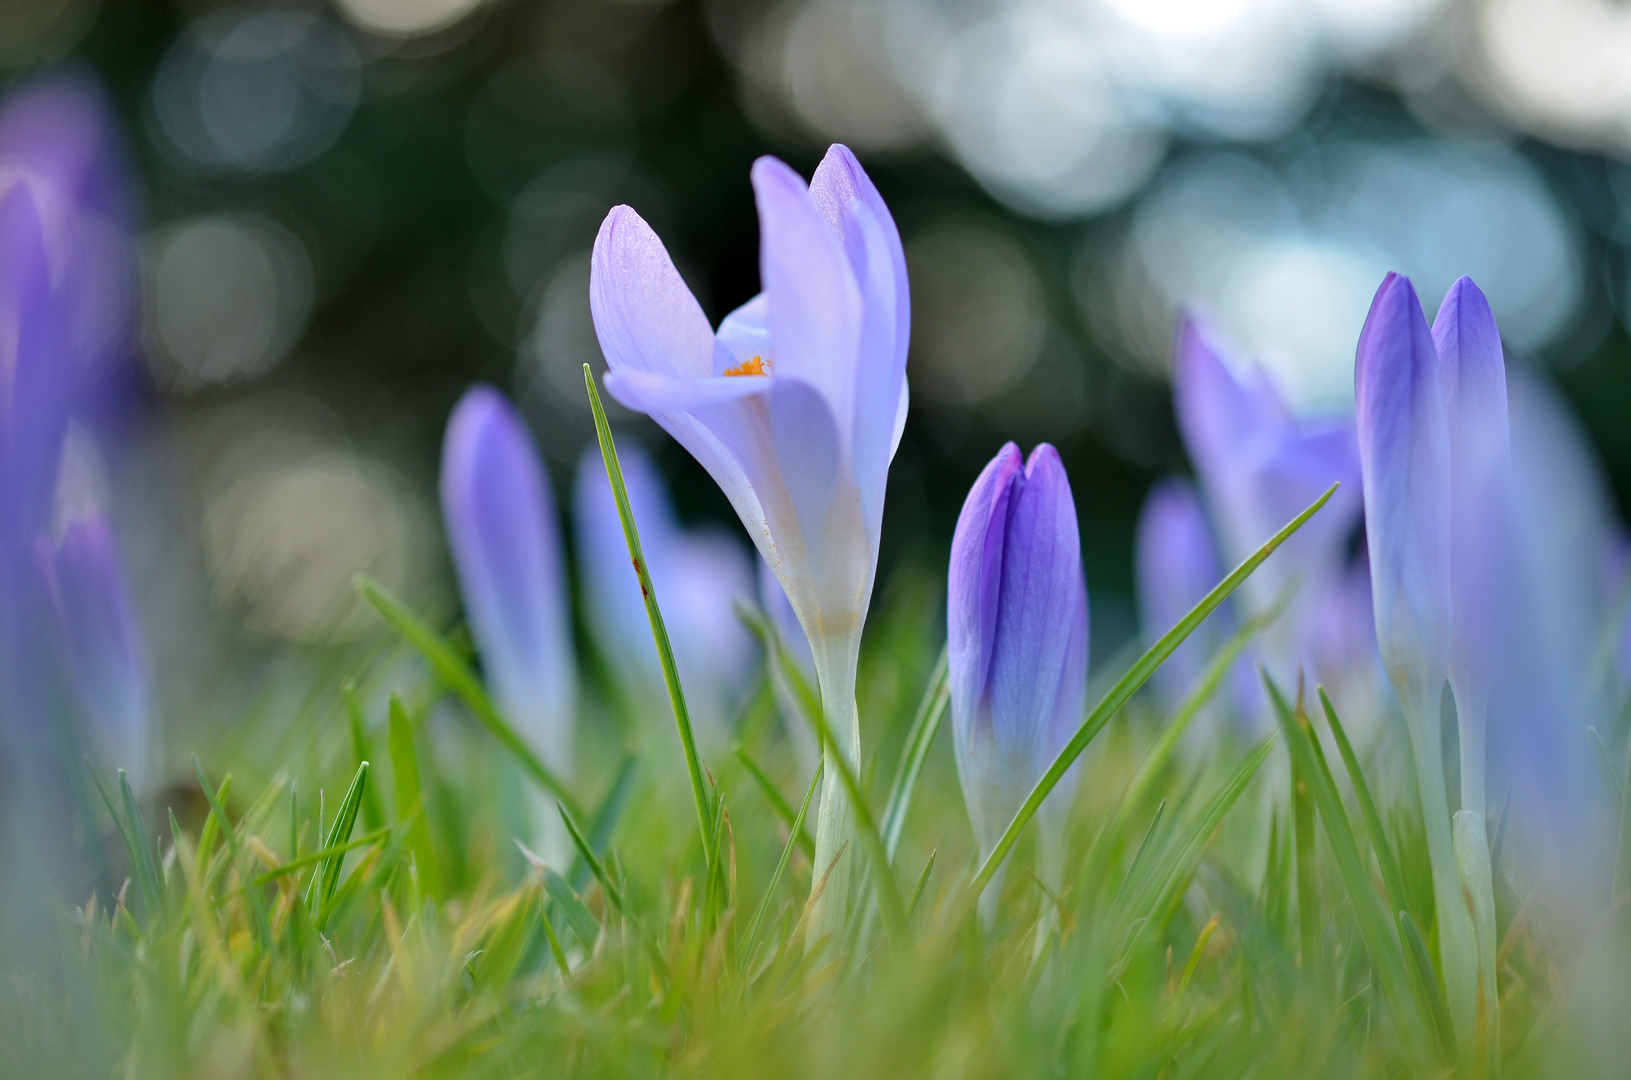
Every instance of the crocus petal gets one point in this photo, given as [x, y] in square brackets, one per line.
[975, 578]
[501, 526]
[1405, 454]
[743, 336]
[645, 316]
[838, 184]
[1473, 372]
[814, 301]
[96, 620]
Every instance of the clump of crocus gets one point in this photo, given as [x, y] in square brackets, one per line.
[1434, 447]
[1016, 635]
[90, 598]
[700, 574]
[502, 529]
[795, 407]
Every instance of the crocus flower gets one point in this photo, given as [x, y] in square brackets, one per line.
[795, 407]
[1016, 633]
[96, 620]
[699, 574]
[1259, 465]
[501, 526]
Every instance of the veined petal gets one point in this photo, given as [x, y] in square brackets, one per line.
[975, 582]
[1041, 576]
[501, 527]
[1405, 455]
[814, 301]
[1472, 369]
[645, 316]
[838, 185]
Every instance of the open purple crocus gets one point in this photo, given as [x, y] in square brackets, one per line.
[1016, 632]
[794, 406]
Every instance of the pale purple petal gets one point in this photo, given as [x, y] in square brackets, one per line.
[815, 304]
[744, 336]
[839, 182]
[645, 316]
[1405, 453]
[975, 579]
[501, 527]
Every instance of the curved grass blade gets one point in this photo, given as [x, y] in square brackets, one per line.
[1392, 879]
[922, 880]
[409, 796]
[795, 834]
[613, 895]
[327, 878]
[606, 818]
[931, 712]
[1309, 763]
[1128, 685]
[337, 851]
[453, 673]
[1427, 981]
[777, 802]
[659, 631]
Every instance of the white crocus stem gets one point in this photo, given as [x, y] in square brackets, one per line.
[836, 664]
[1478, 888]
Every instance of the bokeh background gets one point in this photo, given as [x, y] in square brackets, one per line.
[354, 209]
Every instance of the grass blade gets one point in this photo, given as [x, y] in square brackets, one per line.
[931, 712]
[373, 811]
[659, 632]
[327, 878]
[1368, 910]
[795, 832]
[147, 868]
[1128, 685]
[922, 880]
[776, 801]
[1427, 980]
[613, 895]
[606, 818]
[453, 673]
[1392, 879]
[409, 796]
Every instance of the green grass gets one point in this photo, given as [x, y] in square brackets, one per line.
[341, 893]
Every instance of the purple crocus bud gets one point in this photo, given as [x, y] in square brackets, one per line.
[1472, 370]
[85, 580]
[1404, 449]
[501, 527]
[1016, 632]
[1175, 564]
[700, 575]
[1259, 465]
[795, 407]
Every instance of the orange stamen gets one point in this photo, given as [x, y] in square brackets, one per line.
[755, 366]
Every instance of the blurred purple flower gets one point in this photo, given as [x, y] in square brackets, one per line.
[501, 526]
[96, 620]
[1259, 466]
[1017, 633]
[699, 576]
[794, 407]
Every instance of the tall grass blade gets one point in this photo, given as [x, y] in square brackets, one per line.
[931, 712]
[795, 831]
[1392, 879]
[1427, 980]
[327, 878]
[1383, 947]
[614, 896]
[147, 867]
[409, 796]
[777, 802]
[453, 673]
[922, 882]
[373, 810]
[659, 631]
[1128, 685]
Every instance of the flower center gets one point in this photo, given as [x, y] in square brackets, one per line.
[755, 366]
